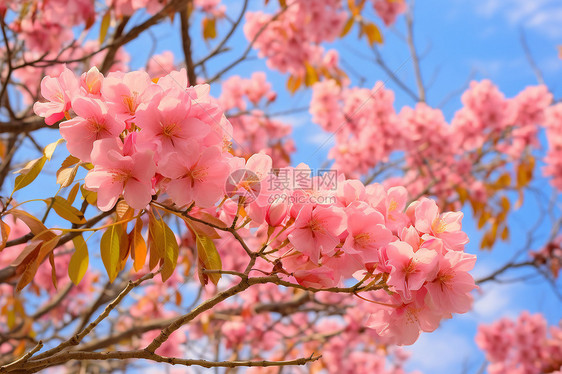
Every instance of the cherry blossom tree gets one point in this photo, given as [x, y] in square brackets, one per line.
[159, 223]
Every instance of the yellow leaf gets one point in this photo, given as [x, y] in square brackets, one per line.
[67, 211]
[79, 260]
[483, 219]
[373, 33]
[505, 204]
[37, 227]
[5, 232]
[109, 248]
[72, 194]
[311, 76]
[123, 210]
[504, 181]
[138, 245]
[104, 26]
[201, 229]
[283, 3]
[171, 251]
[31, 257]
[154, 245]
[50, 149]
[66, 176]
[353, 8]
[29, 173]
[209, 258]
[520, 200]
[347, 27]
[53, 270]
[293, 84]
[90, 196]
[505, 233]
[209, 28]
[463, 194]
[210, 219]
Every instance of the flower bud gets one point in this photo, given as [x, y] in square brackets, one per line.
[276, 212]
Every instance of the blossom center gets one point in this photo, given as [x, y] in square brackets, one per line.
[439, 226]
[363, 239]
[131, 102]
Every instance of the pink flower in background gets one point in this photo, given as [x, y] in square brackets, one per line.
[160, 65]
[117, 173]
[388, 10]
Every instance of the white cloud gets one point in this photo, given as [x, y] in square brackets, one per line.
[322, 139]
[493, 302]
[439, 351]
[544, 16]
[294, 120]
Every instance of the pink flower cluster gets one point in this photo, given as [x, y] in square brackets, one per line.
[553, 159]
[211, 7]
[142, 137]
[523, 346]
[368, 131]
[254, 130]
[327, 230]
[364, 122]
[128, 7]
[293, 39]
[388, 10]
[45, 25]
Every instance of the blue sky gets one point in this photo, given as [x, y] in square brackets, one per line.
[458, 38]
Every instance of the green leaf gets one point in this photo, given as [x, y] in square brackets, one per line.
[79, 260]
[109, 248]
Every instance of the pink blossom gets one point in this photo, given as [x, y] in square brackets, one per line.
[197, 175]
[450, 290]
[94, 122]
[367, 233]
[116, 173]
[402, 322]
[166, 121]
[59, 91]
[447, 226]
[316, 230]
[409, 270]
